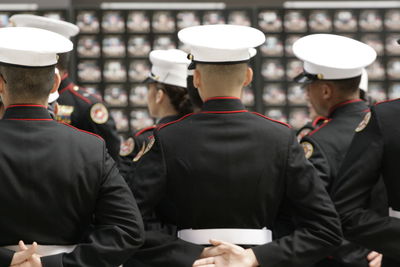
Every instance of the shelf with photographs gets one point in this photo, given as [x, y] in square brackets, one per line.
[285, 100]
[112, 54]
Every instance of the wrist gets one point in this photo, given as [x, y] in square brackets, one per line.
[251, 259]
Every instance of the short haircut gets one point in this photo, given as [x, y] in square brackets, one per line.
[224, 74]
[63, 61]
[347, 86]
[28, 83]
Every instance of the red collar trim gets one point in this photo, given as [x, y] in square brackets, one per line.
[29, 119]
[332, 109]
[25, 105]
[222, 97]
[318, 119]
[226, 112]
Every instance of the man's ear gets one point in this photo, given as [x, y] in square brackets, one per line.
[197, 78]
[159, 96]
[57, 81]
[327, 91]
[249, 76]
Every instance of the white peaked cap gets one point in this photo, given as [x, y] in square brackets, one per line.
[64, 28]
[31, 47]
[364, 81]
[190, 72]
[332, 57]
[221, 43]
[169, 67]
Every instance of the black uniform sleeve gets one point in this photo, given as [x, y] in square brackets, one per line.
[348, 253]
[320, 162]
[6, 256]
[318, 227]
[149, 187]
[117, 226]
[109, 133]
[358, 175]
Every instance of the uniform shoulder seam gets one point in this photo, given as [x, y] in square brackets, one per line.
[386, 101]
[145, 130]
[268, 118]
[319, 128]
[175, 121]
[83, 131]
[87, 100]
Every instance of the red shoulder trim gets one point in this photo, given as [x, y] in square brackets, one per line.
[222, 97]
[225, 112]
[64, 76]
[69, 86]
[265, 117]
[80, 96]
[98, 136]
[319, 128]
[385, 101]
[178, 120]
[145, 130]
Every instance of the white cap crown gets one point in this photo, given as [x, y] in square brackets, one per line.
[64, 28]
[169, 67]
[333, 57]
[221, 43]
[31, 47]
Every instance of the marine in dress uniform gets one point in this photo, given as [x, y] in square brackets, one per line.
[167, 101]
[222, 172]
[331, 78]
[77, 106]
[373, 153]
[59, 186]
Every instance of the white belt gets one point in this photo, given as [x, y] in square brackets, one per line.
[234, 236]
[394, 214]
[47, 250]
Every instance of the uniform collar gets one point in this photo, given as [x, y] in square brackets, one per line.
[66, 83]
[348, 106]
[27, 112]
[225, 104]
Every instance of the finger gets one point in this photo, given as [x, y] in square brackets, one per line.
[216, 251]
[376, 262]
[22, 246]
[232, 247]
[205, 261]
[215, 242]
[372, 255]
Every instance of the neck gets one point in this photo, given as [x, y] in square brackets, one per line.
[25, 102]
[165, 111]
[211, 92]
[340, 100]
